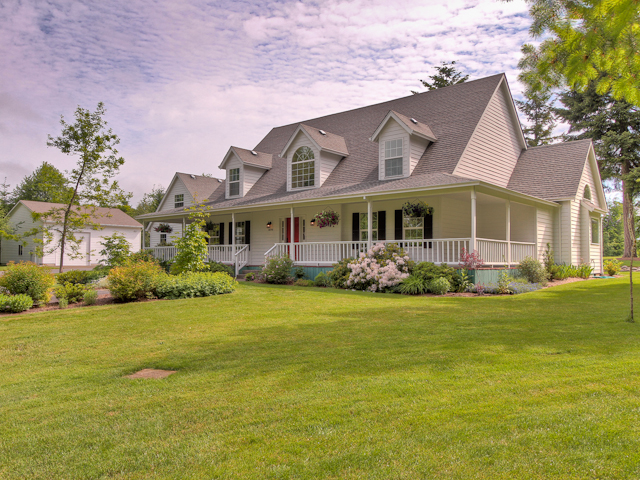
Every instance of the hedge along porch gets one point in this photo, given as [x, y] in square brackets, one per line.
[502, 227]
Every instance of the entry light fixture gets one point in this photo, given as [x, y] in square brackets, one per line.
[312, 222]
[269, 224]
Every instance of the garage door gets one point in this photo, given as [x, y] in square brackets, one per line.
[85, 244]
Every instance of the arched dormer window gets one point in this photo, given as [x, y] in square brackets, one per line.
[587, 192]
[303, 168]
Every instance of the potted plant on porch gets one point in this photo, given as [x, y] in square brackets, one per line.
[164, 228]
[327, 218]
[416, 208]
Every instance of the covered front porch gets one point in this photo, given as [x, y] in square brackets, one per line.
[503, 228]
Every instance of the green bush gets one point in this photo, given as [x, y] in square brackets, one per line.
[250, 276]
[277, 269]
[135, 281]
[584, 270]
[63, 303]
[298, 272]
[461, 282]
[439, 286]
[195, 284]
[322, 280]
[429, 271]
[612, 267]
[72, 292]
[15, 303]
[301, 282]
[30, 279]
[116, 249]
[78, 277]
[214, 267]
[90, 297]
[340, 273]
[533, 271]
[413, 285]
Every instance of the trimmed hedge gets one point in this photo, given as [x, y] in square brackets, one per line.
[15, 303]
[71, 292]
[78, 277]
[135, 281]
[195, 284]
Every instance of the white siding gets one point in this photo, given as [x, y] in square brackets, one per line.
[545, 230]
[302, 140]
[177, 188]
[22, 220]
[565, 233]
[575, 233]
[154, 237]
[494, 147]
[417, 148]
[392, 131]
[249, 176]
[588, 179]
[329, 161]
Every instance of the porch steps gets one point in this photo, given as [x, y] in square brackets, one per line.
[241, 277]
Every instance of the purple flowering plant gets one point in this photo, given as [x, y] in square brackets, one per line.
[327, 218]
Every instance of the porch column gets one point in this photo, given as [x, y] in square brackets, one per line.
[369, 224]
[234, 259]
[474, 243]
[508, 237]
[183, 226]
[292, 254]
[536, 233]
[144, 234]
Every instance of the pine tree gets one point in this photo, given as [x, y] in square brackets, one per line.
[614, 127]
[539, 112]
[447, 75]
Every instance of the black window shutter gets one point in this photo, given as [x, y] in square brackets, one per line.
[222, 233]
[355, 227]
[247, 233]
[382, 225]
[428, 229]
[230, 233]
[398, 225]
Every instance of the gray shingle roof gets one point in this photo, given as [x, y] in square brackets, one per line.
[262, 160]
[550, 171]
[328, 141]
[199, 185]
[416, 127]
[103, 216]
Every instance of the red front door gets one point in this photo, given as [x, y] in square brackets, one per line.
[296, 235]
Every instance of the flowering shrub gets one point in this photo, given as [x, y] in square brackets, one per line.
[327, 218]
[30, 279]
[378, 269]
[277, 269]
[470, 261]
[612, 267]
[135, 281]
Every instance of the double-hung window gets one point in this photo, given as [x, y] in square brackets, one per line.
[240, 233]
[234, 182]
[20, 250]
[413, 228]
[178, 200]
[303, 168]
[364, 227]
[163, 239]
[393, 158]
[214, 235]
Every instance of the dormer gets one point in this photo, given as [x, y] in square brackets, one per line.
[244, 168]
[402, 141]
[311, 155]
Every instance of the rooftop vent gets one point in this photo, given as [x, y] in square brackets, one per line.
[192, 176]
[322, 132]
[219, 180]
[414, 121]
[254, 153]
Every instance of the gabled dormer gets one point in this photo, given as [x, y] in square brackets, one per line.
[186, 189]
[402, 141]
[244, 168]
[311, 155]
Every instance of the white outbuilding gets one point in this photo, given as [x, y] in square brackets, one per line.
[111, 220]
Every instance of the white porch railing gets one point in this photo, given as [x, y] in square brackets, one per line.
[493, 251]
[519, 250]
[215, 253]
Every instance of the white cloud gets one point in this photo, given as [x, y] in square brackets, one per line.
[182, 81]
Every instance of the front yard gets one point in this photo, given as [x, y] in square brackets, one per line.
[287, 382]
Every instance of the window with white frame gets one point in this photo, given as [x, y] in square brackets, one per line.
[240, 233]
[214, 235]
[364, 227]
[234, 182]
[595, 231]
[163, 239]
[178, 200]
[303, 168]
[20, 250]
[413, 228]
[393, 158]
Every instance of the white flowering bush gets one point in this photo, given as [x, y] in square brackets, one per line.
[382, 267]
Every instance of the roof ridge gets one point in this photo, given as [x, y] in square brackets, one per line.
[569, 142]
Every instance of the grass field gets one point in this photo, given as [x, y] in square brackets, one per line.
[285, 382]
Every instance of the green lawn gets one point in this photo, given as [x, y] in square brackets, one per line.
[284, 382]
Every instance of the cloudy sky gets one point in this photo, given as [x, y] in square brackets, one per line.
[182, 81]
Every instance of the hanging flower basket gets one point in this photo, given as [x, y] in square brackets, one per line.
[327, 218]
[164, 228]
[417, 208]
